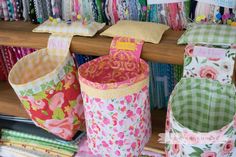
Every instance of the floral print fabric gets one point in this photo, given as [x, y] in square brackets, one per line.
[205, 124]
[192, 146]
[49, 89]
[118, 127]
[59, 110]
[118, 124]
[218, 67]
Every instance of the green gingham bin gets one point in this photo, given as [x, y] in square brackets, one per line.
[194, 98]
[201, 119]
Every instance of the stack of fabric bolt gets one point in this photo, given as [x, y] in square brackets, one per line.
[16, 143]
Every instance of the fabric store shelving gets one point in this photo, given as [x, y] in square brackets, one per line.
[10, 105]
[20, 34]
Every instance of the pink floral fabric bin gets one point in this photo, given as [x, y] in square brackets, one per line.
[201, 119]
[47, 86]
[116, 100]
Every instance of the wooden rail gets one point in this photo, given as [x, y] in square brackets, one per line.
[20, 34]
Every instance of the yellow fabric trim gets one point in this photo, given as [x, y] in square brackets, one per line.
[125, 46]
[113, 93]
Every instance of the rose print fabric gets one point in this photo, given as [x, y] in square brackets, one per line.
[58, 109]
[116, 102]
[49, 89]
[212, 63]
[118, 127]
[84, 151]
[201, 112]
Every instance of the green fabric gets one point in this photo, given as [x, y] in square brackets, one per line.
[9, 135]
[209, 34]
[203, 105]
[99, 7]
[178, 72]
[143, 13]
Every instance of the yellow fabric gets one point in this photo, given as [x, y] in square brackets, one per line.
[125, 46]
[76, 28]
[34, 147]
[59, 44]
[34, 66]
[42, 66]
[146, 31]
[113, 93]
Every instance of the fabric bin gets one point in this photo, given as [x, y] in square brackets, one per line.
[46, 83]
[201, 119]
[116, 100]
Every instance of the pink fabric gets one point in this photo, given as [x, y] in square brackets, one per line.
[173, 17]
[125, 53]
[21, 52]
[84, 151]
[117, 126]
[3, 71]
[114, 10]
[76, 7]
[114, 66]
[9, 57]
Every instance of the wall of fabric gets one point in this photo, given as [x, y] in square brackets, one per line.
[176, 15]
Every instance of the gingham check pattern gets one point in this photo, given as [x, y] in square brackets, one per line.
[203, 105]
[42, 66]
[209, 34]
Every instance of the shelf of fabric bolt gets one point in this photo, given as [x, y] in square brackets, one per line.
[10, 105]
[20, 34]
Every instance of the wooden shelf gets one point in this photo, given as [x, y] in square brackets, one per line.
[158, 126]
[10, 105]
[20, 34]
[9, 102]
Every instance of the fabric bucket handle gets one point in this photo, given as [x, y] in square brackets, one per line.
[125, 53]
[58, 44]
[209, 62]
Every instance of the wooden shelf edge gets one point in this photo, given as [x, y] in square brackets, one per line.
[9, 102]
[20, 34]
